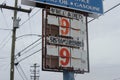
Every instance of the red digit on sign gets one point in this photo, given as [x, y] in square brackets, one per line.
[65, 24]
[64, 53]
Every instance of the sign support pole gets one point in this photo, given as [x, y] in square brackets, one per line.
[68, 75]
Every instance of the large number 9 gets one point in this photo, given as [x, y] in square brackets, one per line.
[64, 23]
[64, 53]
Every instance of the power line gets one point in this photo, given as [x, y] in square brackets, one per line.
[5, 43]
[6, 29]
[17, 64]
[29, 35]
[30, 49]
[117, 78]
[23, 72]
[30, 17]
[4, 58]
[29, 55]
[8, 37]
[27, 47]
[106, 11]
[20, 73]
[5, 18]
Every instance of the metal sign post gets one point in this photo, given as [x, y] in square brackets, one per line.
[68, 75]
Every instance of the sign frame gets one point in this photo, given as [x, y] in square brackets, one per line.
[44, 47]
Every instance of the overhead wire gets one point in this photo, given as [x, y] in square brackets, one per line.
[29, 55]
[30, 49]
[30, 17]
[29, 35]
[106, 11]
[23, 72]
[6, 67]
[5, 19]
[4, 2]
[4, 44]
[3, 58]
[25, 58]
[5, 29]
[117, 78]
[5, 40]
[20, 73]
[30, 27]
[19, 53]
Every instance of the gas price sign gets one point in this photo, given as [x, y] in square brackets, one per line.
[65, 44]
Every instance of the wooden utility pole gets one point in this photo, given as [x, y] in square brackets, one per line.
[13, 43]
[15, 26]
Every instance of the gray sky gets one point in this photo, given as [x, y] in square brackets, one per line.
[104, 37]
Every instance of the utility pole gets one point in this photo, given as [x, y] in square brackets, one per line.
[34, 72]
[13, 43]
[15, 26]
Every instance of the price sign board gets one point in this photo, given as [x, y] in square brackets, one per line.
[90, 6]
[65, 42]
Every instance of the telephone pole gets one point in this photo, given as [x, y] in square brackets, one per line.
[15, 26]
[34, 72]
[13, 43]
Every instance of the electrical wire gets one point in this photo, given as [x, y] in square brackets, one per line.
[27, 47]
[117, 78]
[29, 35]
[20, 73]
[4, 58]
[29, 55]
[23, 72]
[30, 49]
[5, 19]
[3, 41]
[7, 67]
[30, 27]
[106, 12]
[6, 29]
[30, 17]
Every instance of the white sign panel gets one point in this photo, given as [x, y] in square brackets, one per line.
[66, 45]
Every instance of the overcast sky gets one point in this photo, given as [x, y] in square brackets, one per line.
[104, 50]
